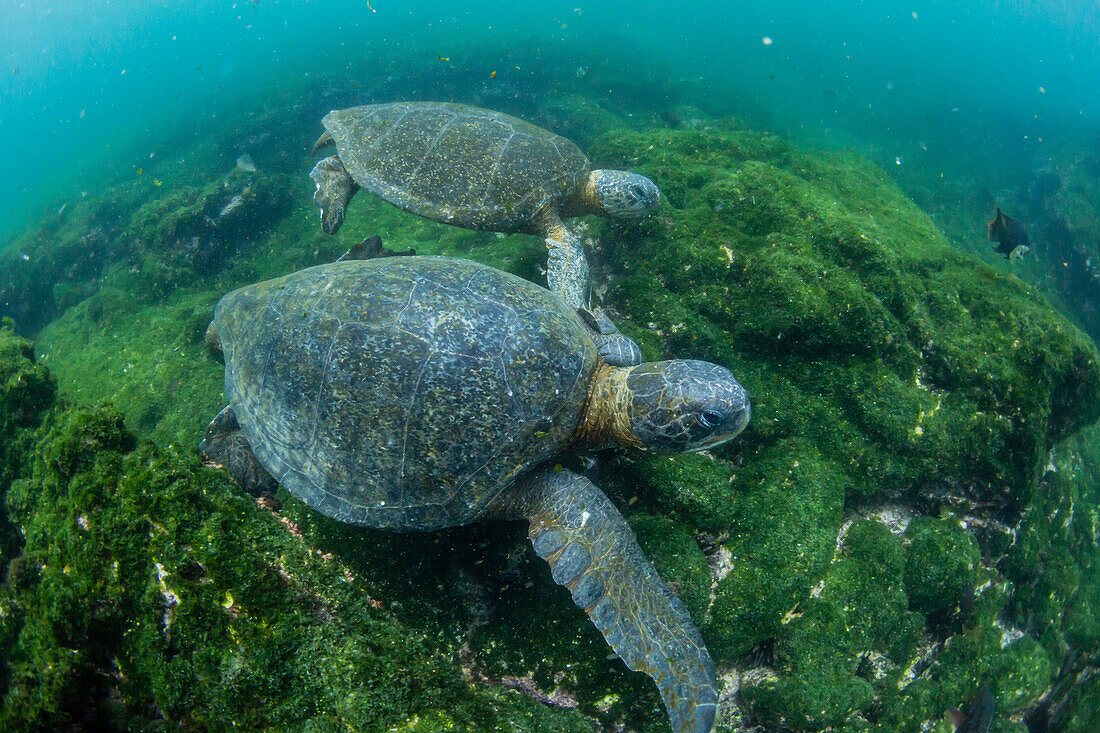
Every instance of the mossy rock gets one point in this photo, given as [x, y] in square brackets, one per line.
[152, 595]
[883, 366]
[941, 565]
[26, 390]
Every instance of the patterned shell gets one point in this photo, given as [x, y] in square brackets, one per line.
[455, 164]
[402, 392]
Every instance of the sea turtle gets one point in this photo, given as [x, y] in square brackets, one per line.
[480, 169]
[417, 393]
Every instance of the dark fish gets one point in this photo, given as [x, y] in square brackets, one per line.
[1009, 235]
[979, 718]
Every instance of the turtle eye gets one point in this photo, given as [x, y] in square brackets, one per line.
[638, 191]
[710, 419]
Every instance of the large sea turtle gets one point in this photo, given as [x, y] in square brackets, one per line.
[417, 393]
[479, 169]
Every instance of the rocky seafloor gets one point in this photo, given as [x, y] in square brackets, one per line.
[911, 515]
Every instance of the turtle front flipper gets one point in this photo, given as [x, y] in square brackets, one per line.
[617, 349]
[567, 275]
[225, 445]
[566, 266]
[334, 190]
[593, 553]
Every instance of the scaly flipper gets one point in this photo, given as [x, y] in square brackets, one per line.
[371, 248]
[593, 553]
[323, 141]
[615, 348]
[567, 275]
[334, 190]
[224, 444]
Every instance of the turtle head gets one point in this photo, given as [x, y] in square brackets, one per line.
[621, 194]
[684, 405]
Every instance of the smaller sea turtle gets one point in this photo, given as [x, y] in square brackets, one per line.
[480, 169]
[418, 393]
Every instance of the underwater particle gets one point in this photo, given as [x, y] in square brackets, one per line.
[493, 75]
[370, 8]
[1042, 90]
[140, 171]
[914, 14]
[444, 58]
[1009, 235]
[897, 160]
[157, 182]
[766, 40]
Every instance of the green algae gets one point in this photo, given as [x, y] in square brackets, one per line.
[941, 564]
[150, 360]
[162, 598]
[26, 389]
[883, 367]
[881, 364]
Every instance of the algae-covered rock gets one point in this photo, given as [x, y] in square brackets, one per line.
[58, 263]
[198, 230]
[883, 367]
[26, 389]
[877, 546]
[152, 596]
[941, 565]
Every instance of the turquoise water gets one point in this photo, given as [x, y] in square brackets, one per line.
[91, 89]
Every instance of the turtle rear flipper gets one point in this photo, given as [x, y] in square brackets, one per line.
[225, 445]
[334, 190]
[323, 141]
[593, 553]
[369, 249]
